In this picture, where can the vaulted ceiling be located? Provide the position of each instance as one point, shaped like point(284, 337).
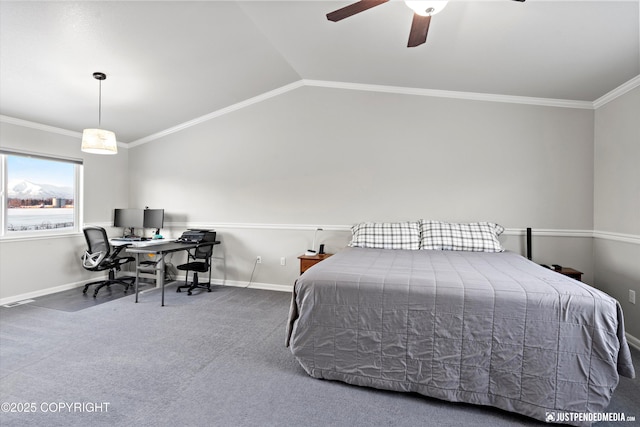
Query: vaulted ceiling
point(168, 63)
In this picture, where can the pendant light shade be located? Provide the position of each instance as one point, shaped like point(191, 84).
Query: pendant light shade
point(99, 141)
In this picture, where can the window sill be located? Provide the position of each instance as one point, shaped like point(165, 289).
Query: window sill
point(13, 237)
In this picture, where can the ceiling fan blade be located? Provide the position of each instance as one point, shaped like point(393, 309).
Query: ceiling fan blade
point(352, 9)
point(419, 30)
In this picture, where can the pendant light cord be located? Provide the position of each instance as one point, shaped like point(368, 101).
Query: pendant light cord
point(100, 77)
point(100, 105)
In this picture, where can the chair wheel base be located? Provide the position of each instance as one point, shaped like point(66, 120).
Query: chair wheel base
point(107, 284)
point(193, 286)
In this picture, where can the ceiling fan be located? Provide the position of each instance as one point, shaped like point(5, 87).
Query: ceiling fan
point(422, 13)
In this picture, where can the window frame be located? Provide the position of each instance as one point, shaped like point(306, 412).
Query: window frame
point(77, 203)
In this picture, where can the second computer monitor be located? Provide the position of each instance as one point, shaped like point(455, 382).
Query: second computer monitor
point(153, 218)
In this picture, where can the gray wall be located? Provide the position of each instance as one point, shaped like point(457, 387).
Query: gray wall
point(329, 156)
point(34, 266)
point(617, 203)
point(266, 175)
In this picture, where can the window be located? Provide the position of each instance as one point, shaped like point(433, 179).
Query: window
point(40, 194)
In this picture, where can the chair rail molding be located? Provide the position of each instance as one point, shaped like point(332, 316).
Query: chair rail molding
point(542, 232)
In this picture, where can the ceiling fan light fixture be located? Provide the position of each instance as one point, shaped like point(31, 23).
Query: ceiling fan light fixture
point(99, 141)
point(426, 8)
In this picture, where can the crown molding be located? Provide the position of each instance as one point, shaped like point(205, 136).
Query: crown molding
point(619, 91)
point(473, 96)
point(46, 128)
point(39, 126)
point(547, 102)
point(246, 103)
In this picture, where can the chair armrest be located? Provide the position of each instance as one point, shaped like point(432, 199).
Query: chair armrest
point(205, 244)
point(118, 249)
point(90, 261)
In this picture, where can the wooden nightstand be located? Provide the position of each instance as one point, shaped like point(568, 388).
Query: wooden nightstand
point(308, 261)
point(568, 271)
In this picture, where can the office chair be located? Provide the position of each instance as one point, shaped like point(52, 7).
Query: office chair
point(198, 261)
point(100, 257)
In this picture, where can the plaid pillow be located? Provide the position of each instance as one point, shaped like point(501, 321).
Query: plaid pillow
point(386, 235)
point(477, 236)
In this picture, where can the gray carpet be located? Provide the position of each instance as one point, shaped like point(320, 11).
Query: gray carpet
point(210, 359)
point(75, 300)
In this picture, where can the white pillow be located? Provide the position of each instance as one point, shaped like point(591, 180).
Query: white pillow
point(386, 235)
point(477, 236)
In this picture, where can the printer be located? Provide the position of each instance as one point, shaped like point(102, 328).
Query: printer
point(197, 236)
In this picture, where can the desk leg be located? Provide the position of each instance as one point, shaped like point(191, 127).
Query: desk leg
point(137, 274)
point(160, 275)
point(160, 270)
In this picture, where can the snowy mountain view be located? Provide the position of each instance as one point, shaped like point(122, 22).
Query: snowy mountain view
point(35, 206)
point(22, 189)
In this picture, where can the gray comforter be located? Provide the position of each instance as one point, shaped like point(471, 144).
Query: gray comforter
point(484, 328)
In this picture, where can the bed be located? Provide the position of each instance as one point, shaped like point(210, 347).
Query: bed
point(482, 327)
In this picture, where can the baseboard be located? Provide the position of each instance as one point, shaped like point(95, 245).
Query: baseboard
point(42, 292)
point(240, 284)
point(633, 341)
point(47, 291)
point(257, 285)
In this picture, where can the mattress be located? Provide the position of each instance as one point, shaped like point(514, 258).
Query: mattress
point(483, 328)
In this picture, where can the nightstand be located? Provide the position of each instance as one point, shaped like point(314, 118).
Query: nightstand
point(568, 271)
point(308, 261)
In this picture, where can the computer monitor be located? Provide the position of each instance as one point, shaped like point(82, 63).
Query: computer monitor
point(154, 218)
point(128, 219)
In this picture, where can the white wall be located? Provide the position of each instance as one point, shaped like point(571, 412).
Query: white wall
point(266, 175)
point(35, 266)
point(617, 202)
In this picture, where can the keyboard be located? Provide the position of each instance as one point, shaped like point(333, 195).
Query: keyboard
point(129, 239)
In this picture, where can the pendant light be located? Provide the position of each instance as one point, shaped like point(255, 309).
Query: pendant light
point(99, 141)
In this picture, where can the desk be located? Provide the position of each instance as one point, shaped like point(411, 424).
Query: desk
point(160, 250)
point(131, 244)
point(137, 244)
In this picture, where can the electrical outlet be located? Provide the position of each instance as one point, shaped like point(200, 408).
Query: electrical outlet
point(283, 261)
point(632, 296)
point(258, 259)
